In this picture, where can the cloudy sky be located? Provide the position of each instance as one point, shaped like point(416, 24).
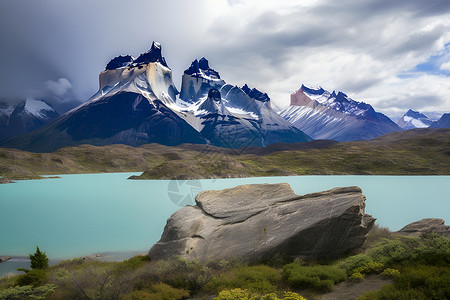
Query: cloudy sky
point(394, 55)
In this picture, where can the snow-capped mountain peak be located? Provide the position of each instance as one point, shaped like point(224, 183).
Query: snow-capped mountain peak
point(37, 108)
point(200, 68)
point(338, 101)
point(325, 115)
point(414, 119)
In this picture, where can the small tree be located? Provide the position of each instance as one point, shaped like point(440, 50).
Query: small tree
point(39, 260)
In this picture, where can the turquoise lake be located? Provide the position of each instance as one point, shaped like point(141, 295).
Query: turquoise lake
point(78, 215)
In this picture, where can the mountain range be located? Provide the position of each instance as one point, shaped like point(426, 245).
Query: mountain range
point(137, 103)
point(24, 117)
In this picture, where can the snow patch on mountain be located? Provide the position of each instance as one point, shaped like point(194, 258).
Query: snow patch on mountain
point(414, 119)
point(37, 107)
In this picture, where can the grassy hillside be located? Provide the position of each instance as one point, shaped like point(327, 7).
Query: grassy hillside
point(413, 152)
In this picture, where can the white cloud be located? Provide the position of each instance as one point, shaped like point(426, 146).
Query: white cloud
point(359, 48)
point(445, 66)
point(59, 87)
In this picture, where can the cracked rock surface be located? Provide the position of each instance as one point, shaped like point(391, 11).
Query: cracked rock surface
point(256, 221)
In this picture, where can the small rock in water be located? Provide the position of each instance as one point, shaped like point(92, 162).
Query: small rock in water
point(4, 258)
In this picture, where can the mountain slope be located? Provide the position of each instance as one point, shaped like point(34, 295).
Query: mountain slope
point(414, 119)
point(443, 122)
point(25, 117)
point(245, 117)
point(325, 115)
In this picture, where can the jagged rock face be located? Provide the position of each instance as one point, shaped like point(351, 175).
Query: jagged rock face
point(197, 80)
point(254, 222)
point(119, 62)
point(424, 226)
point(256, 94)
point(325, 115)
point(414, 119)
point(443, 122)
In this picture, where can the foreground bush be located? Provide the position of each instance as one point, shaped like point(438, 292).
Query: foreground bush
point(159, 291)
point(419, 282)
point(319, 277)
point(257, 279)
point(240, 294)
point(184, 273)
point(27, 292)
point(33, 277)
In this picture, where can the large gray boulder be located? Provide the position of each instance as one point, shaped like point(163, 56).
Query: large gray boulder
point(429, 225)
point(254, 222)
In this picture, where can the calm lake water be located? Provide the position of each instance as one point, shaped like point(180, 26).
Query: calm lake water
point(78, 215)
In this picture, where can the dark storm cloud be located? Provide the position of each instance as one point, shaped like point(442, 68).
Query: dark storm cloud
point(273, 45)
point(46, 40)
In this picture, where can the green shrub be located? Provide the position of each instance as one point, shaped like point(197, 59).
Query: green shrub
point(184, 273)
point(33, 277)
point(390, 273)
point(292, 296)
point(353, 262)
point(357, 277)
point(240, 294)
point(431, 249)
point(370, 268)
point(389, 252)
point(27, 292)
point(237, 294)
point(319, 277)
point(159, 291)
point(257, 279)
point(434, 249)
point(93, 279)
point(418, 282)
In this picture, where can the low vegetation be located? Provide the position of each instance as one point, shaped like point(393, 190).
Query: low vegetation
point(418, 268)
point(412, 152)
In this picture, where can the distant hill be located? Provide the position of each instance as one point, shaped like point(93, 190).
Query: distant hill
point(411, 152)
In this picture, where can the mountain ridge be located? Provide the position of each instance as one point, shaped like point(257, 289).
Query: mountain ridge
point(137, 104)
point(325, 115)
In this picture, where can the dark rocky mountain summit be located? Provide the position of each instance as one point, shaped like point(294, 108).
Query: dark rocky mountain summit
point(254, 222)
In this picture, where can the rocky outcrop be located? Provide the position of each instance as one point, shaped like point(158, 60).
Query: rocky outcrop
point(254, 222)
point(4, 258)
point(426, 226)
